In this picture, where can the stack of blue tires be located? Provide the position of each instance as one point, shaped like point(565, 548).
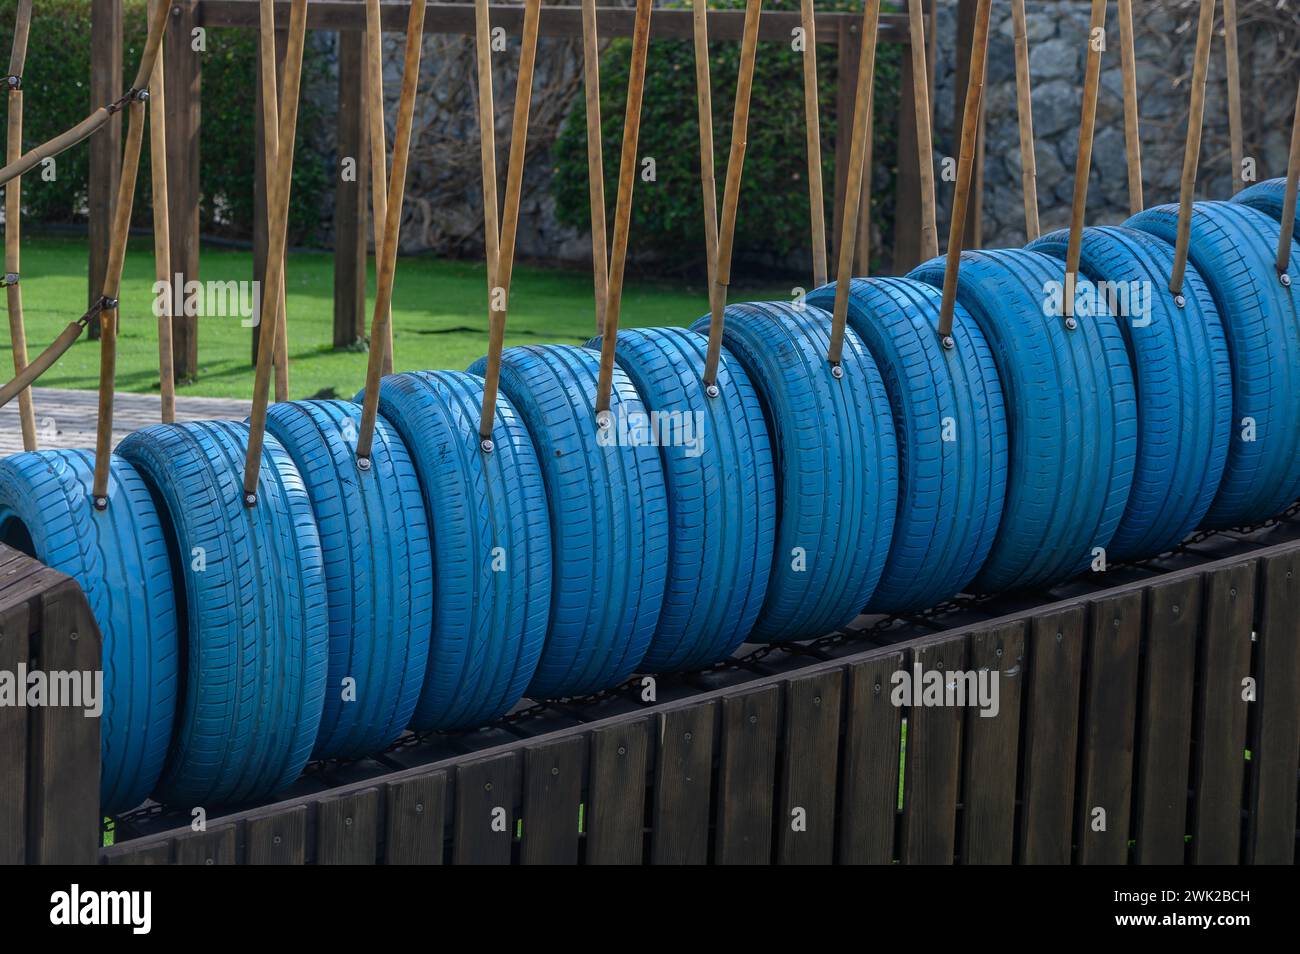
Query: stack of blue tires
point(438, 585)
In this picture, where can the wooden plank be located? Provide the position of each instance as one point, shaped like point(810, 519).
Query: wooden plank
point(552, 800)
point(1275, 745)
point(347, 829)
point(869, 781)
point(747, 777)
point(680, 832)
point(1165, 721)
point(216, 846)
point(350, 196)
point(278, 837)
point(105, 145)
point(14, 651)
point(63, 761)
point(615, 811)
point(1107, 733)
point(989, 747)
point(1051, 736)
point(1218, 755)
point(415, 820)
point(152, 853)
point(809, 768)
point(933, 762)
point(182, 76)
point(485, 811)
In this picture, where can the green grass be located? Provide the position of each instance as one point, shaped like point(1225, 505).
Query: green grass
point(439, 317)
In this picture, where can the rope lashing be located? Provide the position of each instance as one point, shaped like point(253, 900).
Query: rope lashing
point(1132, 137)
point(499, 299)
point(1192, 149)
point(812, 127)
point(731, 194)
point(924, 133)
point(13, 221)
point(1083, 163)
point(595, 161)
point(381, 322)
point(965, 168)
point(853, 189)
point(623, 206)
point(278, 192)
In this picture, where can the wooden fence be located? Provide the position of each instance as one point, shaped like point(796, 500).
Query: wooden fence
point(49, 756)
point(1154, 722)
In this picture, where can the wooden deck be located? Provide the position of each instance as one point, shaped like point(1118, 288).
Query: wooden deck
point(67, 418)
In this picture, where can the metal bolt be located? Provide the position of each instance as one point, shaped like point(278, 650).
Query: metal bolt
point(622, 750)
point(101, 503)
point(142, 95)
point(712, 390)
point(487, 786)
point(72, 635)
point(947, 342)
point(1176, 609)
point(1233, 592)
point(688, 737)
point(419, 808)
point(1285, 279)
point(275, 840)
point(250, 500)
point(1180, 301)
point(208, 861)
point(1059, 637)
point(876, 688)
point(753, 720)
point(603, 420)
point(1071, 324)
point(487, 445)
point(347, 822)
point(998, 651)
point(363, 464)
point(837, 371)
point(555, 770)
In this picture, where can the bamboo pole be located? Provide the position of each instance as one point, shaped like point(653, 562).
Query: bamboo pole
point(487, 144)
point(812, 125)
point(1083, 164)
point(374, 79)
point(271, 155)
point(924, 135)
point(1132, 136)
point(595, 160)
point(162, 237)
point(1025, 118)
point(1286, 228)
point(497, 316)
point(277, 204)
point(853, 186)
point(1192, 149)
point(862, 250)
point(13, 221)
point(1234, 91)
point(379, 326)
point(623, 207)
point(731, 194)
point(965, 163)
point(704, 109)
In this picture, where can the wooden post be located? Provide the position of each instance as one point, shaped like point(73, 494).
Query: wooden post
point(847, 54)
point(183, 70)
point(1234, 91)
point(973, 237)
point(350, 195)
point(260, 175)
point(106, 144)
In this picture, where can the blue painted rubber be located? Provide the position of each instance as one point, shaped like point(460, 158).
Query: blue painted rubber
point(119, 557)
point(721, 495)
point(952, 438)
point(1071, 418)
point(836, 461)
point(609, 520)
point(254, 620)
point(492, 572)
point(1233, 247)
point(1267, 197)
point(374, 537)
point(1180, 366)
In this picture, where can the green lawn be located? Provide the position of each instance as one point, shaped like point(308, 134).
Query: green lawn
point(439, 317)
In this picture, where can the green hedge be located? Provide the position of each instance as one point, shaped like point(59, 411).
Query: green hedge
point(56, 86)
point(668, 213)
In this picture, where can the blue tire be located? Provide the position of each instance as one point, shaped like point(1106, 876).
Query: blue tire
point(119, 556)
point(374, 537)
point(1267, 197)
point(1071, 418)
point(254, 617)
point(721, 495)
point(1233, 247)
point(609, 520)
point(492, 571)
point(836, 462)
point(1183, 378)
point(952, 438)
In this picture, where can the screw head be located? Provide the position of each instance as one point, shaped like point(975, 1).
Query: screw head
point(15, 82)
point(142, 95)
point(712, 390)
point(837, 371)
point(101, 503)
point(363, 463)
point(1180, 301)
point(250, 500)
point(603, 420)
point(487, 445)
point(1285, 279)
point(1071, 324)
point(947, 342)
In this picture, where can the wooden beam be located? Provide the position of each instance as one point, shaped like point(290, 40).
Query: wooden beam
point(106, 144)
point(458, 18)
point(182, 71)
point(965, 27)
point(350, 196)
